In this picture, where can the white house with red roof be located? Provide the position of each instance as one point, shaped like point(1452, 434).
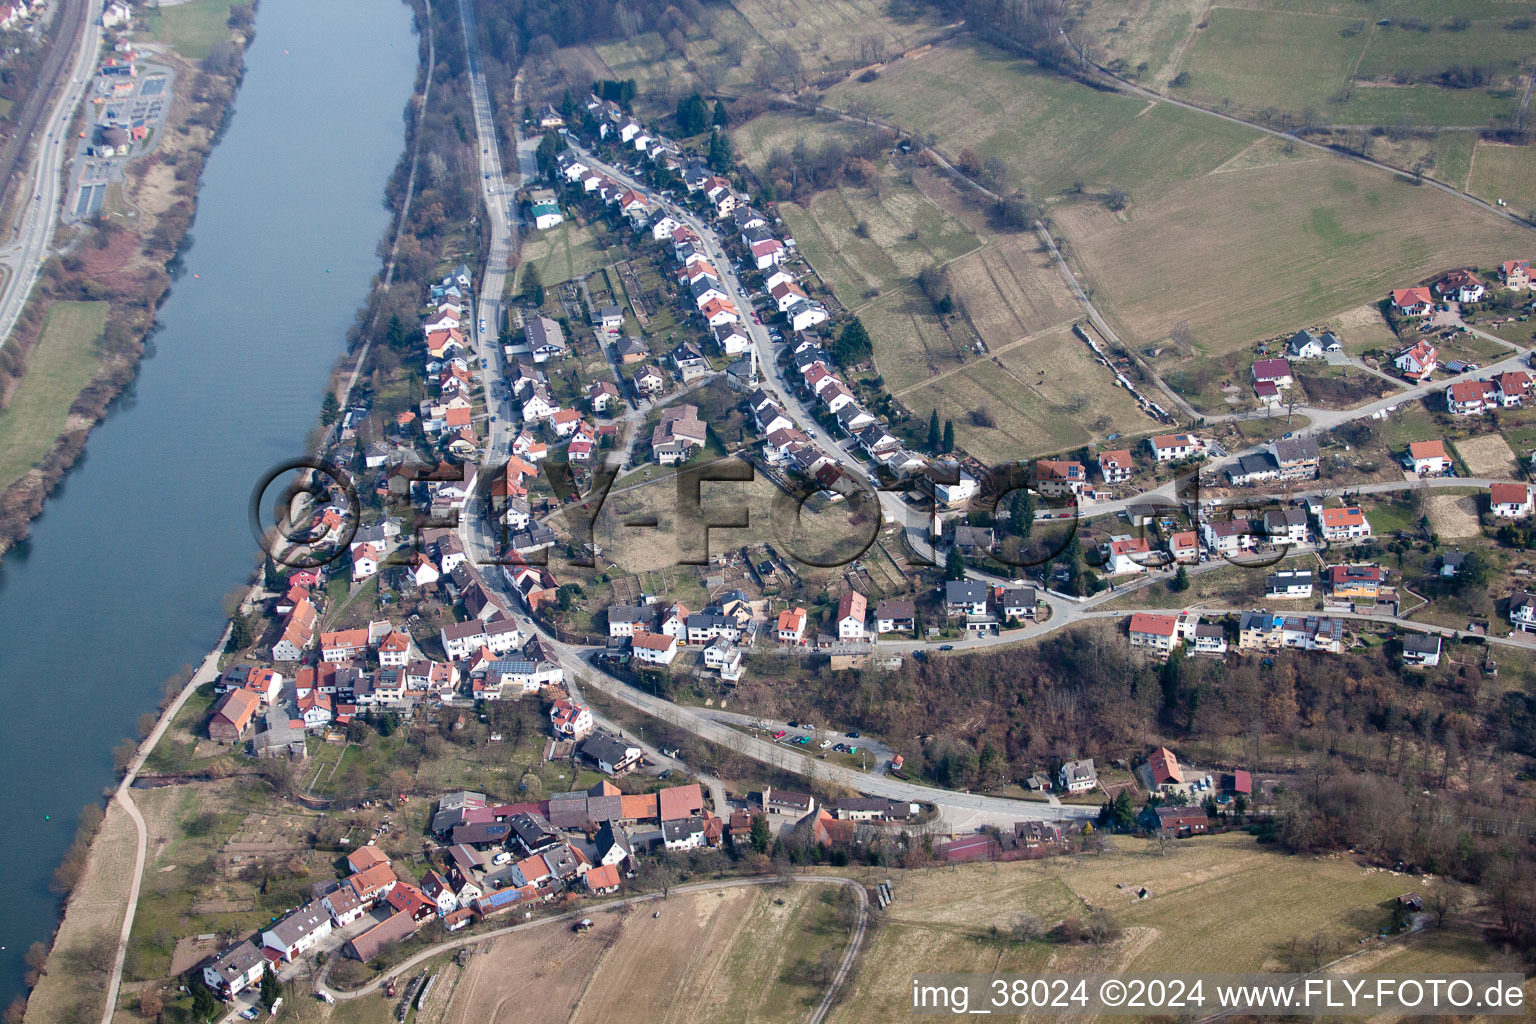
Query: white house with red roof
point(1413, 301)
point(1273, 371)
point(791, 626)
point(1509, 501)
point(1126, 555)
point(1515, 273)
point(1418, 361)
point(1155, 632)
point(1470, 397)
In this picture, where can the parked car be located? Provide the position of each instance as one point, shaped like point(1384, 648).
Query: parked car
point(780, 735)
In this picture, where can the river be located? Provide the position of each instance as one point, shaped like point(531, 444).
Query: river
point(121, 582)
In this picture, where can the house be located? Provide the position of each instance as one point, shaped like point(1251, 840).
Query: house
point(296, 934)
point(965, 597)
point(1428, 458)
point(1267, 393)
point(1306, 344)
point(1421, 650)
point(851, 609)
point(678, 434)
point(1156, 632)
point(803, 315)
point(779, 801)
point(1342, 524)
point(873, 809)
point(791, 626)
point(1228, 537)
point(1509, 501)
point(1055, 477)
point(1460, 286)
point(1206, 638)
point(648, 381)
point(1018, 603)
point(1522, 611)
point(601, 394)
point(1513, 388)
point(654, 648)
point(1078, 776)
point(602, 880)
point(545, 339)
point(1288, 583)
point(1286, 525)
point(732, 339)
point(973, 540)
point(1126, 555)
point(233, 716)
point(1180, 821)
point(1515, 273)
point(344, 905)
point(1417, 361)
point(1273, 371)
point(546, 214)
point(952, 487)
point(1116, 466)
point(396, 928)
point(1413, 301)
point(1252, 469)
point(1167, 447)
point(1470, 397)
point(1260, 630)
point(767, 253)
point(1298, 458)
point(683, 834)
point(1164, 768)
point(1354, 581)
point(611, 755)
point(627, 620)
point(1184, 546)
point(298, 633)
point(631, 350)
point(895, 617)
point(1451, 562)
point(235, 969)
point(462, 639)
point(570, 720)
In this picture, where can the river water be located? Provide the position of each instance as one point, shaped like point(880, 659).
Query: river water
point(121, 582)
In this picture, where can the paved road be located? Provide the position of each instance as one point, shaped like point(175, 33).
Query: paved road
point(28, 247)
point(403, 970)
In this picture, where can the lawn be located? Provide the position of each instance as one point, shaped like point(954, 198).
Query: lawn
point(1505, 172)
point(566, 251)
point(1392, 105)
point(192, 28)
point(61, 365)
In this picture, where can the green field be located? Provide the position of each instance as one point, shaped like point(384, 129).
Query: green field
point(1507, 173)
point(62, 364)
point(565, 251)
point(192, 29)
point(1419, 105)
point(1051, 133)
point(865, 242)
point(1258, 59)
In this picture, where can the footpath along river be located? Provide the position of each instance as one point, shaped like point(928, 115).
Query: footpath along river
point(121, 581)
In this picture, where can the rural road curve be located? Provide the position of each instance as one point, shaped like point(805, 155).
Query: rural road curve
point(859, 930)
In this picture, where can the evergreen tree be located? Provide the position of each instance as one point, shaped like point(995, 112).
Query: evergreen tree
point(949, 436)
point(330, 409)
point(692, 115)
point(761, 835)
point(721, 159)
point(269, 576)
point(1180, 581)
point(721, 118)
point(271, 989)
point(933, 431)
point(954, 565)
point(1021, 512)
point(533, 285)
point(852, 344)
point(240, 634)
point(205, 1005)
point(394, 334)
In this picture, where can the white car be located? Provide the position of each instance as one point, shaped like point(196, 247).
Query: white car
point(825, 744)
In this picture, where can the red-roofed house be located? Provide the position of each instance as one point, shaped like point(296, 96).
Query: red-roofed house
point(791, 626)
point(1470, 397)
point(1158, 632)
point(1515, 273)
point(1509, 501)
point(1165, 768)
point(1273, 371)
point(1417, 362)
point(1413, 301)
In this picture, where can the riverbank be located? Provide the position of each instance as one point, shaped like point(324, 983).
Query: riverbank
point(92, 944)
point(125, 260)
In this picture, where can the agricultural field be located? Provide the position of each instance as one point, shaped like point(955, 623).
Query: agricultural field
point(836, 35)
point(864, 242)
point(1143, 39)
point(1299, 242)
point(959, 919)
point(756, 139)
point(724, 955)
point(1251, 59)
point(62, 363)
point(1052, 134)
point(1504, 172)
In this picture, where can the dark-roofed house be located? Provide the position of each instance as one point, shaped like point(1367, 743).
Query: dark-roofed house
point(568, 810)
point(1181, 821)
point(480, 833)
point(866, 808)
point(683, 833)
point(782, 801)
point(234, 970)
point(533, 833)
point(611, 755)
point(1421, 650)
point(895, 616)
point(297, 933)
point(965, 597)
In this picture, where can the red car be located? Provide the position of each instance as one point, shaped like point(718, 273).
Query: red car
point(780, 735)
